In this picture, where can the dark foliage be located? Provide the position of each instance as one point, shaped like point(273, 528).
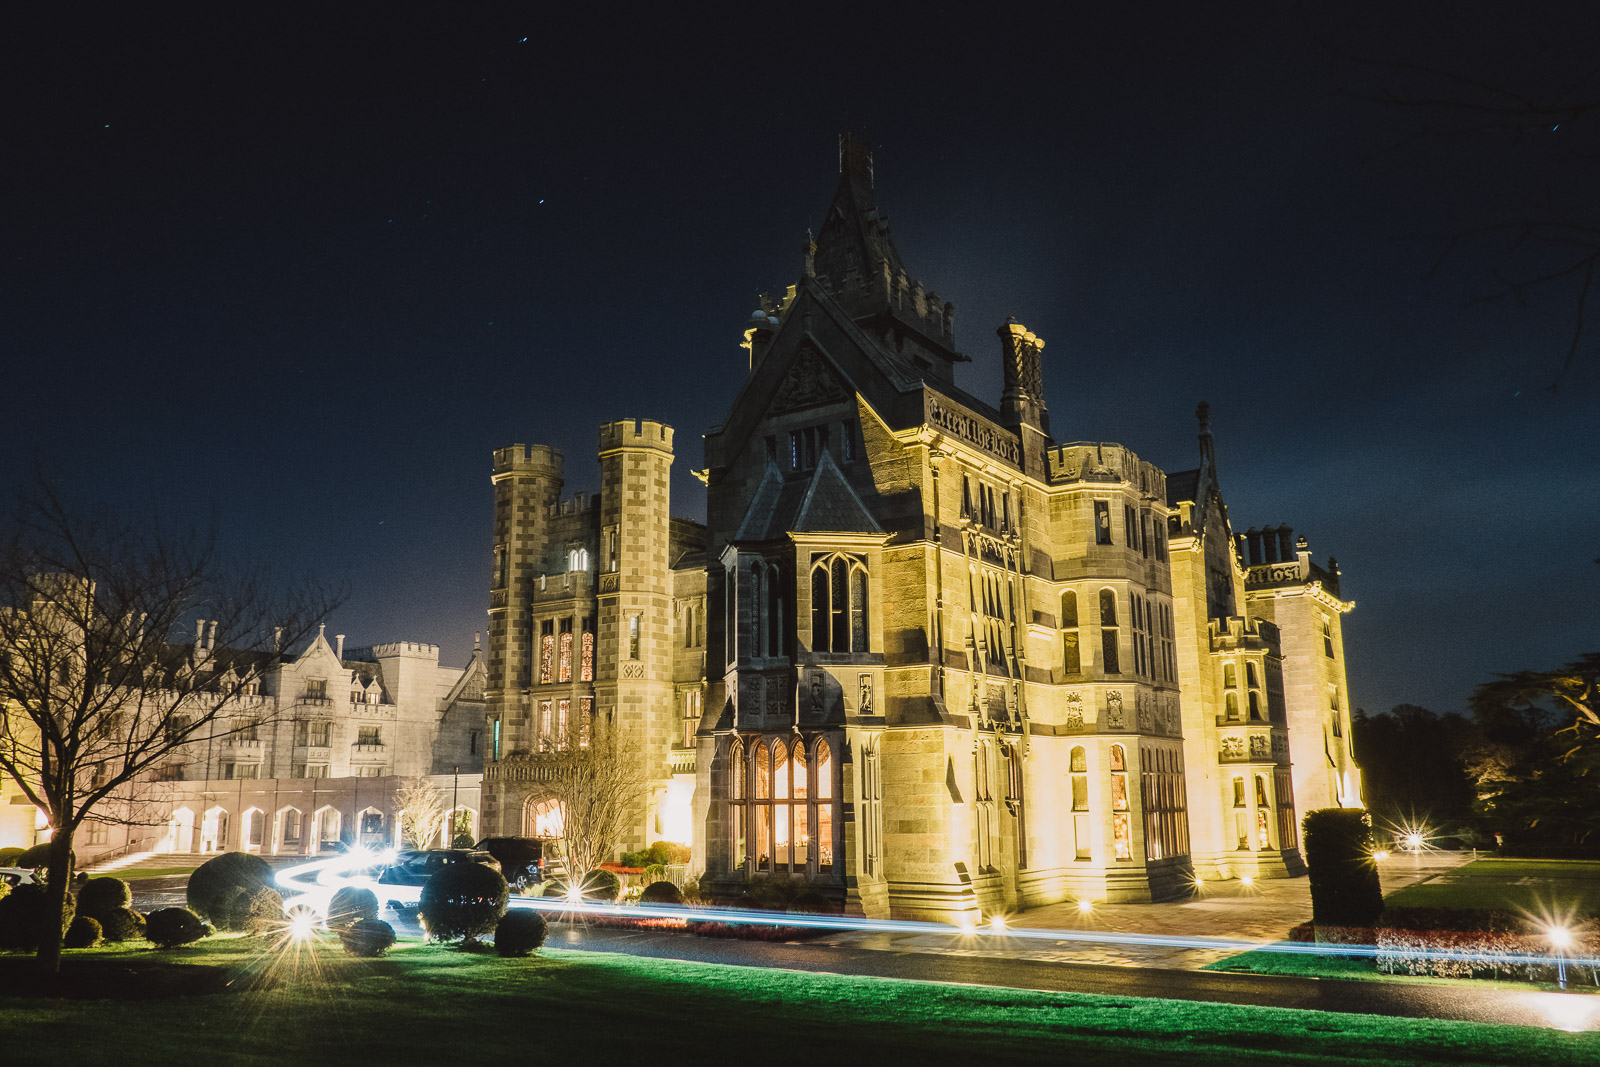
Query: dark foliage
point(350, 905)
point(659, 854)
point(1459, 920)
point(9, 856)
point(83, 933)
point(216, 886)
point(814, 903)
point(367, 937)
point(171, 927)
point(1413, 766)
point(121, 924)
point(463, 901)
point(1343, 876)
point(22, 915)
point(554, 889)
point(601, 885)
point(661, 893)
point(37, 858)
point(101, 896)
point(519, 932)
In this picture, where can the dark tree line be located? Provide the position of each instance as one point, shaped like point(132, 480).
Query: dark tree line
point(1523, 769)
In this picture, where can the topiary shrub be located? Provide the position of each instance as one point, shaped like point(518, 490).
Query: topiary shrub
point(216, 885)
point(1343, 876)
point(462, 901)
point(121, 924)
point(601, 885)
point(259, 911)
point(101, 896)
point(554, 889)
point(83, 933)
point(9, 856)
point(171, 927)
point(519, 932)
point(22, 914)
point(351, 904)
point(367, 937)
point(37, 858)
point(661, 893)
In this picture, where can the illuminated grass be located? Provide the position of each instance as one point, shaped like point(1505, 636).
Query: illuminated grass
point(423, 1003)
point(1510, 885)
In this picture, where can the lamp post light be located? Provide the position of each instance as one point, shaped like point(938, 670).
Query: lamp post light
point(1560, 940)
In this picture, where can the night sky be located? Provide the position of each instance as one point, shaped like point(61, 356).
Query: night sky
point(304, 268)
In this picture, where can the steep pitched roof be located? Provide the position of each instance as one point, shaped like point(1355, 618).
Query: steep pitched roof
point(830, 505)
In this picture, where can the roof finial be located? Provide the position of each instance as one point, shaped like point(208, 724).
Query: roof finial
point(810, 249)
point(477, 645)
point(1203, 413)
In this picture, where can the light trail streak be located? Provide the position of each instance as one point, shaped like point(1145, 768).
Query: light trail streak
point(333, 874)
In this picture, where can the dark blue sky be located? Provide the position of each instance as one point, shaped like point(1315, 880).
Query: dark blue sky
point(309, 267)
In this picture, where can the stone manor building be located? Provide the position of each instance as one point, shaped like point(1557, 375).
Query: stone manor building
point(923, 655)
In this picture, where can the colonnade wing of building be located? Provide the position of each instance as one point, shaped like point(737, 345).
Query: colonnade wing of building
point(922, 658)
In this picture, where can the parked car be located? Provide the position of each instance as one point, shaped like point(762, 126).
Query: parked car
point(15, 876)
point(415, 868)
point(521, 859)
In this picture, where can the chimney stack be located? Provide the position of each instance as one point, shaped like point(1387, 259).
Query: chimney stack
point(338, 648)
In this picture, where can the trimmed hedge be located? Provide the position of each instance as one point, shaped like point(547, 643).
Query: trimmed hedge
point(215, 888)
point(171, 927)
point(463, 901)
point(83, 933)
point(122, 924)
point(22, 914)
point(661, 893)
point(601, 885)
point(258, 911)
point(367, 937)
point(1343, 876)
point(351, 904)
point(101, 896)
point(520, 932)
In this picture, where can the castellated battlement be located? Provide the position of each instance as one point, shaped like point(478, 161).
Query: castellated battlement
point(1104, 461)
point(406, 648)
point(635, 433)
point(528, 459)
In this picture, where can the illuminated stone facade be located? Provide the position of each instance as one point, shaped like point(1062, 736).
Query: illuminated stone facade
point(597, 606)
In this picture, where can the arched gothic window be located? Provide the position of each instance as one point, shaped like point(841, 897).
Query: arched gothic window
point(774, 623)
point(839, 619)
point(1110, 661)
point(1072, 660)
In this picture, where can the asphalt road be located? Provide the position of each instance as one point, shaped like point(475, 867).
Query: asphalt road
point(1488, 1003)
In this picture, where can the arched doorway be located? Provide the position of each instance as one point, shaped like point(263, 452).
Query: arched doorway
point(180, 830)
point(325, 826)
point(214, 830)
point(541, 817)
point(255, 830)
point(463, 824)
point(291, 835)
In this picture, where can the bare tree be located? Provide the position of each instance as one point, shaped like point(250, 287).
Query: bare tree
point(598, 782)
point(422, 814)
point(96, 690)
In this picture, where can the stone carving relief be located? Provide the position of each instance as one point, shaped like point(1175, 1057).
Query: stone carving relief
point(1280, 747)
point(809, 383)
point(633, 670)
point(1258, 746)
point(1233, 748)
point(1114, 719)
point(1142, 702)
point(864, 699)
point(1074, 710)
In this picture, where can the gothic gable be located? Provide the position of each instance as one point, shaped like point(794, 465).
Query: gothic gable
point(809, 383)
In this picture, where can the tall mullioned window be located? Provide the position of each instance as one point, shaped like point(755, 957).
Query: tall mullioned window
point(633, 637)
point(1111, 662)
point(1078, 767)
point(1121, 831)
point(547, 650)
point(1070, 653)
point(586, 670)
point(564, 664)
point(1161, 792)
point(839, 617)
point(1102, 522)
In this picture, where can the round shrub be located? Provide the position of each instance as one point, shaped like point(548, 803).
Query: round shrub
point(661, 893)
point(215, 886)
point(121, 924)
point(22, 914)
point(367, 937)
point(38, 857)
point(519, 932)
point(9, 856)
point(351, 904)
point(258, 911)
point(171, 927)
point(83, 933)
point(462, 901)
point(554, 889)
point(601, 885)
point(101, 896)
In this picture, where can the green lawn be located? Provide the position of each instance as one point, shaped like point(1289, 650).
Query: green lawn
point(424, 1004)
point(1550, 888)
point(1536, 887)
